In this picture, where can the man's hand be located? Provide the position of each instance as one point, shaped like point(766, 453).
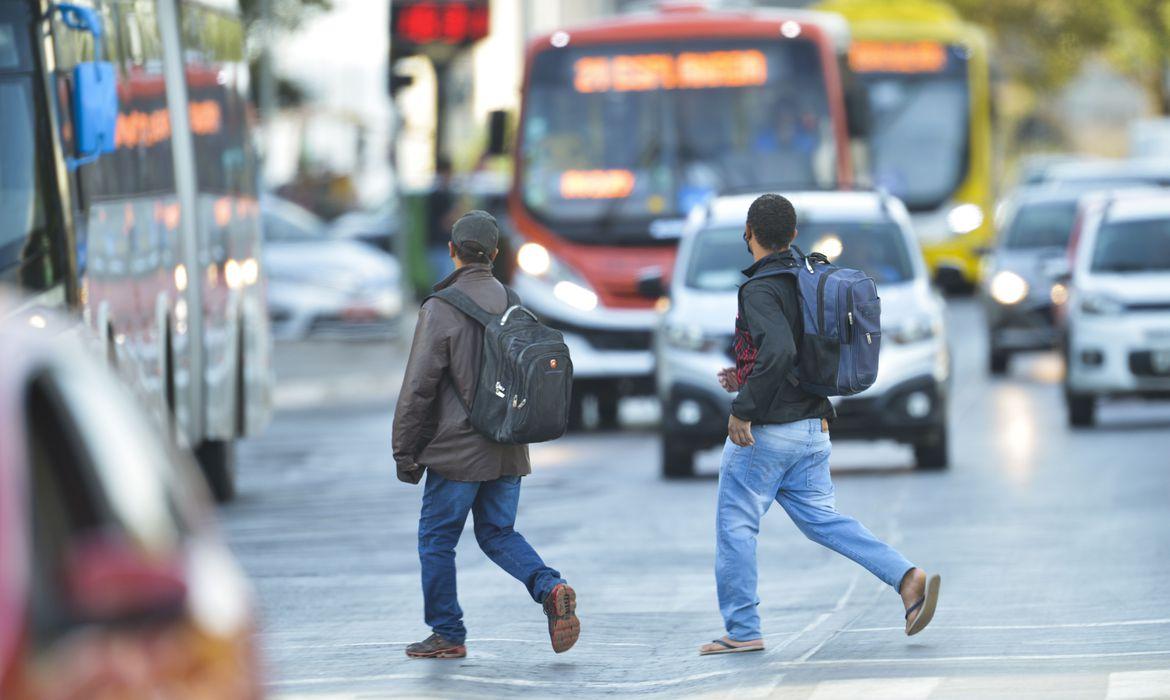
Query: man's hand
point(740, 432)
point(729, 380)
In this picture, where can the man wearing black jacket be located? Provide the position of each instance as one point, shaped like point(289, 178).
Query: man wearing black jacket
point(778, 447)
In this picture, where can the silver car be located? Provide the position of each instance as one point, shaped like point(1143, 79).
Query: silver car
point(866, 230)
point(322, 286)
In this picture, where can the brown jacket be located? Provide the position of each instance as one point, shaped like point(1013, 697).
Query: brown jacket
point(431, 427)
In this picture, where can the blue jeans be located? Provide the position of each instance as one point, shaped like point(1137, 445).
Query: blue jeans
point(445, 506)
point(789, 464)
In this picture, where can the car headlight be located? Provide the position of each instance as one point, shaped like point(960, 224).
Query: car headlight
point(1008, 288)
point(689, 336)
point(916, 330)
point(536, 261)
point(965, 218)
point(1100, 305)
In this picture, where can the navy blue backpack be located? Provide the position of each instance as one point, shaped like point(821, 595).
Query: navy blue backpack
point(838, 354)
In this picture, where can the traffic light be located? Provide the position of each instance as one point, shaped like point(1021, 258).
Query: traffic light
point(454, 23)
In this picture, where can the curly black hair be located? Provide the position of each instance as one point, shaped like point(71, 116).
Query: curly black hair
point(772, 219)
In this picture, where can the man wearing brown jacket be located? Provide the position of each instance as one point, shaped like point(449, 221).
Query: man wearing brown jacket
point(465, 471)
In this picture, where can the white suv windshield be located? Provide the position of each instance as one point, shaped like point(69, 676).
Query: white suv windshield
point(1133, 246)
point(719, 255)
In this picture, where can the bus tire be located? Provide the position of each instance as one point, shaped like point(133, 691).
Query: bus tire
point(217, 459)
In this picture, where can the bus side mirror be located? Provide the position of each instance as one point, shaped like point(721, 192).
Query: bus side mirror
point(857, 113)
point(95, 109)
point(95, 90)
point(497, 133)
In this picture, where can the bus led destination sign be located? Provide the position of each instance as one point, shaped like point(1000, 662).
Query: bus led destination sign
point(897, 57)
point(662, 71)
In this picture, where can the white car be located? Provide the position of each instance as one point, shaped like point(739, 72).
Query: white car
point(321, 286)
point(865, 230)
point(1118, 315)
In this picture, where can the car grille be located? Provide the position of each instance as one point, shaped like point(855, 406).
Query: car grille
point(602, 339)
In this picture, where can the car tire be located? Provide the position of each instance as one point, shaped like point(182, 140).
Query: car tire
point(608, 399)
point(217, 458)
point(933, 453)
point(997, 362)
point(1082, 410)
point(678, 460)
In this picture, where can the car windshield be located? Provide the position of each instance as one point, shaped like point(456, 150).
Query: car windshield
point(619, 135)
point(285, 222)
point(1041, 225)
point(920, 114)
point(21, 205)
point(1133, 246)
point(718, 255)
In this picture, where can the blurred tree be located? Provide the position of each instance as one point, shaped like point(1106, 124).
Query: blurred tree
point(1042, 43)
point(286, 14)
point(1141, 46)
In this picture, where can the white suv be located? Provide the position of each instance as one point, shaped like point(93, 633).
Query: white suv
point(1118, 315)
point(864, 230)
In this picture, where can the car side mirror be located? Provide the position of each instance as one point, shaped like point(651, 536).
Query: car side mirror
point(652, 284)
point(109, 580)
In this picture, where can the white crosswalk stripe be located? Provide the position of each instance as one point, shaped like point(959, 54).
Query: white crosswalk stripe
point(1138, 685)
point(876, 689)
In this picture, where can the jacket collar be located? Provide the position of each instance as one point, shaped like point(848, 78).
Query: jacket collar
point(470, 271)
point(784, 258)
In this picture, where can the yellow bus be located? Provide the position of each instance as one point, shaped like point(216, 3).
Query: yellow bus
point(927, 76)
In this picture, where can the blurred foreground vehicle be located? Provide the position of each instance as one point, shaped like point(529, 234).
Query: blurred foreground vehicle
point(927, 76)
point(116, 585)
point(321, 286)
point(1118, 332)
point(862, 230)
point(127, 194)
point(1024, 272)
point(630, 122)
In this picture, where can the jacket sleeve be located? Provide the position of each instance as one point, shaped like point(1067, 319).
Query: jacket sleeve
point(429, 358)
point(773, 339)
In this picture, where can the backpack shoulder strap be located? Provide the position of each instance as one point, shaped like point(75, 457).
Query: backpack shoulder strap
point(461, 301)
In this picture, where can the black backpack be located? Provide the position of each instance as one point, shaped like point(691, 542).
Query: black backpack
point(526, 378)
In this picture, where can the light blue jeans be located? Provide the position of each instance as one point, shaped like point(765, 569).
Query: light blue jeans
point(789, 464)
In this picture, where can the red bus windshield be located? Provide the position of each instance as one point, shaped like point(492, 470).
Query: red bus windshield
point(618, 135)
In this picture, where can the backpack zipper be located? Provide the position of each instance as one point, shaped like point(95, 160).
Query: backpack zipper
point(849, 315)
point(821, 298)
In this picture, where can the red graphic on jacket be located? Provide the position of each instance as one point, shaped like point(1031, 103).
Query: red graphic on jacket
point(745, 352)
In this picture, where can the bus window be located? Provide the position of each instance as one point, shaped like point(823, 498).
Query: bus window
point(622, 134)
point(919, 104)
point(26, 256)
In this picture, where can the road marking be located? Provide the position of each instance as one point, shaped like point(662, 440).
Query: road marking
point(360, 645)
point(1138, 685)
point(960, 659)
point(876, 689)
point(1066, 625)
point(517, 682)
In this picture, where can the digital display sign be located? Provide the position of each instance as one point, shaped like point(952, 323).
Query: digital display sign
point(897, 57)
point(690, 70)
point(421, 23)
point(596, 184)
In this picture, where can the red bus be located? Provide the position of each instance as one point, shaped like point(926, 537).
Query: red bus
point(629, 123)
point(155, 242)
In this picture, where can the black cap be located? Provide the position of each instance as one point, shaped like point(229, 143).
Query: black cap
point(479, 227)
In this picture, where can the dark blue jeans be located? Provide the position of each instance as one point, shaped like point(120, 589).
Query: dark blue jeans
point(444, 511)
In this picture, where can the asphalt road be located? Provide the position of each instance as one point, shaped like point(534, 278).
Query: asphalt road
point(1053, 545)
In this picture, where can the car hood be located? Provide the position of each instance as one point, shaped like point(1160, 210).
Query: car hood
point(1129, 288)
point(714, 312)
point(340, 259)
point(1033, 264)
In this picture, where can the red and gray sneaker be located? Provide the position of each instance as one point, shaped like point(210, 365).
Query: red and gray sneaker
point(563, 626)
point(435, 647)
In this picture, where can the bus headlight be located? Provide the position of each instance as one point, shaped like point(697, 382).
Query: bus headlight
point(1008, 288)
point(536, 261)
point(965, 218)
